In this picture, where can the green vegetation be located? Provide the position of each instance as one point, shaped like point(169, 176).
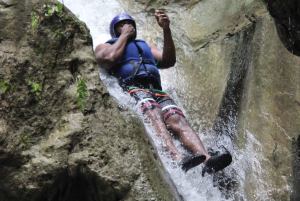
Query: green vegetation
point(50, 15)
point(48, 12)
point(34, 20)
point(262, 1)
point(59, 32)
point(35, 88)
point(5, 86)
point(81, 92)
point(26, 140)
point(81, 26)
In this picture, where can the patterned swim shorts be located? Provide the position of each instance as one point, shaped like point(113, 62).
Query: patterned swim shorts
point(150, 99)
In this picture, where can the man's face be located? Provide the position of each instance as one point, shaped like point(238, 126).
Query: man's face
point(119, 26)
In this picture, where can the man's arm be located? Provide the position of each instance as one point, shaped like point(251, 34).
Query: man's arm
point(167, 57)
point(108, 55)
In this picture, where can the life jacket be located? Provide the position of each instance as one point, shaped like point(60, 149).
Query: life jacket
point(137, 64)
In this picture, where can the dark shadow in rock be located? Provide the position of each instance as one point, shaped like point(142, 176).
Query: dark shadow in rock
point(229, 110)
point(296, 169)
point(226, 121)
point(83, 184)
point(286, 15)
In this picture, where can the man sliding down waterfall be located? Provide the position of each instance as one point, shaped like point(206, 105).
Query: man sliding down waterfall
point(135, 64)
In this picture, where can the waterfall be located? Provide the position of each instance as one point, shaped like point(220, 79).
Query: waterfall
point(97, 15)
point(230, 185)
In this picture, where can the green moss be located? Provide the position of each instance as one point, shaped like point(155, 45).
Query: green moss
point(35, 88)
point(26, 140)
point(5, 86)
point(34, 20)
point(81, 92)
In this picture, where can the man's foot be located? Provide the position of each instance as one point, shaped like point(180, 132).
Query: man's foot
point(189, 162)
point(217, 163)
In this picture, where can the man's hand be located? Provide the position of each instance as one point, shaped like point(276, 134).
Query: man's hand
point(167, 57)
point(126, 29)
point(162, 19)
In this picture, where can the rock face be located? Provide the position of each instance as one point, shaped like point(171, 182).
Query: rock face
point(286, 15)
point(49, 148)
point(237, 76)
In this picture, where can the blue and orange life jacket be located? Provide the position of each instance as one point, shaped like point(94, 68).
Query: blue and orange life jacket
point(137, 64)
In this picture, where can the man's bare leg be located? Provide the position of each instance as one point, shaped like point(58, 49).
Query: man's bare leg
point(156, 117)
point(191, 141)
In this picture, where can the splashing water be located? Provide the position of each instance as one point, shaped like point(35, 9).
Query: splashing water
point(97, 15)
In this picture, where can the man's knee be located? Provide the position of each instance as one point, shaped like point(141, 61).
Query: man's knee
point(176, 122)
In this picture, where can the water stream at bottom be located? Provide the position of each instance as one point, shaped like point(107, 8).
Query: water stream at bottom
point(232, 183)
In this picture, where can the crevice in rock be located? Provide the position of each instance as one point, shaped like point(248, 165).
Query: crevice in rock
point(10, 161)
point(287, 20)
point(82, 184)
point(226, 121)
point(296, 169)
point(233, 94)
point(74, 67)
point(10, 164)
point(7, 5)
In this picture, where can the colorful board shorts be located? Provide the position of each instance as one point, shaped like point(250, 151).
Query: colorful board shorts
point(153, 98)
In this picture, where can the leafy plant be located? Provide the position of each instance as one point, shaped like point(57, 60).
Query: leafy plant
point(5, 86)
point(81, 92)
point(35, 88)
point(50, 10)
point(59, 32)
point(34, 20)
point(26, 139)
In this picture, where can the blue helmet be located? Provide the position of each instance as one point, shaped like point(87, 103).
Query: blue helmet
point(117, 19)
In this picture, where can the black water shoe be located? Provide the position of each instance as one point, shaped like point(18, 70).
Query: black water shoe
point(217, 163)
point(189, 162)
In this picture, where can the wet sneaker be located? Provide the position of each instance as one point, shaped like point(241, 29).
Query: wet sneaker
point(217, 163)
point(189, 162)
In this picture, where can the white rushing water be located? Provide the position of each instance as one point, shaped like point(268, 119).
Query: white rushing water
point(97, 15)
